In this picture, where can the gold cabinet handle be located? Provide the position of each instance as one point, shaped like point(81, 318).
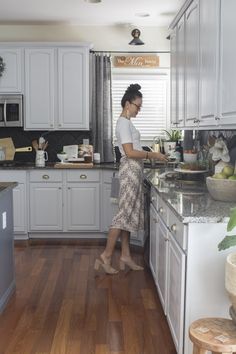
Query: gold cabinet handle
point(45, 176)
point(153, 199)
point(161, 210)
point(173, 227)
point(83, 177)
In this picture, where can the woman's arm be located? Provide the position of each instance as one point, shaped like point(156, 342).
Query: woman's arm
point(138, 154)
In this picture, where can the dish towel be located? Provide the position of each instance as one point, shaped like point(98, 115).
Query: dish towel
point(115, 189)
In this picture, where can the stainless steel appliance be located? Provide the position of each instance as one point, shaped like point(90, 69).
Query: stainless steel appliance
point(11, 110)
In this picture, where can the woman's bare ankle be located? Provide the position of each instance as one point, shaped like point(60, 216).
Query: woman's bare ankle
point(106, 259)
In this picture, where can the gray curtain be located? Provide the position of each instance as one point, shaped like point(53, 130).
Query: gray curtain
point(101, 106)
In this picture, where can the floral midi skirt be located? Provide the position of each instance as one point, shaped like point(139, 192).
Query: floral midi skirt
point(130, 215)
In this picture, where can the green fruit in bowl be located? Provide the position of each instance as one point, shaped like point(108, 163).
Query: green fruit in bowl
point(228, 171)
point(232, 178)
point(219, 176)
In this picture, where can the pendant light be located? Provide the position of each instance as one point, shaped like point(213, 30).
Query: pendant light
point(136, 40)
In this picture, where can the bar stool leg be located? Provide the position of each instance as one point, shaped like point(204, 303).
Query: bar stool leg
point(197, 350)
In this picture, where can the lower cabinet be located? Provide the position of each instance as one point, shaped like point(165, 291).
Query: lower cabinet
point(45, 212)
point(82, 201)
point(20, 205)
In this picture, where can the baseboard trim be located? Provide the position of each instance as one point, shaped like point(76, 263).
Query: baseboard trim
point(6, 296)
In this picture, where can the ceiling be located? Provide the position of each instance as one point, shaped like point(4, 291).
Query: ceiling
point(80, 12)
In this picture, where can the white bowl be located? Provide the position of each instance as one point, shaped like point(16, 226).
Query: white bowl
point(222, 189)
point(188, 157)
point(62, 157)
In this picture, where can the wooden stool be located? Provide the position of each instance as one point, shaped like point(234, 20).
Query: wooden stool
point(218, 335)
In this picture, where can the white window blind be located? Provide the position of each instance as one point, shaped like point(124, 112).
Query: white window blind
point(153, 117)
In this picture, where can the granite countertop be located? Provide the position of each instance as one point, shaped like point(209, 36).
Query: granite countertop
point(6, 186)
point(191, 203)
point(50, 165)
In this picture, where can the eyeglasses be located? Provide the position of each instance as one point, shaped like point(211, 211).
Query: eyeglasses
point(138, 107)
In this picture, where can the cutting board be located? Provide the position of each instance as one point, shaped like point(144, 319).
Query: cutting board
point(8, 144)
point(74, 165)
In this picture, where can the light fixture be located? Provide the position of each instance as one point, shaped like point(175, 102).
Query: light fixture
point(135, 34)
point(93, 1)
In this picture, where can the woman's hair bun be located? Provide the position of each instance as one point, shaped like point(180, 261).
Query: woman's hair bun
point(133, 88)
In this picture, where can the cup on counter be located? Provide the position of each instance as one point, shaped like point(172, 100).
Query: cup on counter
point(96, 157)
point(88, 158)
point(41, 158)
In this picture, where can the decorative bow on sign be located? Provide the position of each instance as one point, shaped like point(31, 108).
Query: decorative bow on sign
point(220, 151)
point(2, 66)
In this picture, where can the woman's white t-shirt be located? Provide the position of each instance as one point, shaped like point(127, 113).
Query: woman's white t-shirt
point(127, 133)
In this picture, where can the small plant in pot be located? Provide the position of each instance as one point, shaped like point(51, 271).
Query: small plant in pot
point(230, 266)
point(172, 137)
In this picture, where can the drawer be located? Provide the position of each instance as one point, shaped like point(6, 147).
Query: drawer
point(83, 176)
point(163, 210)
point(107, 176)
point(45, 176)
point(177, 230)
point(10, 176)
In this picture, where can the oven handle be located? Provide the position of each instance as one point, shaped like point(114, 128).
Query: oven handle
point(5, 112)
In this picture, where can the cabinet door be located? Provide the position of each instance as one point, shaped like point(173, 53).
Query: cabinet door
point(227, 92)
point(162, 251)
point(73, 79)
point(153, 242)
point(11, 79)
point(83, 212)
point(209, 38)
point(192, 63)
point(181, 71)
point(39, 88)
point(176, 293)
point(173, 78)
point(46, 207)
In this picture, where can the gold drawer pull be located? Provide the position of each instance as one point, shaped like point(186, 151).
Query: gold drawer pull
point(153, 198)
point(173, 227)
point(161, 210)
point(83, 177)
point(45, 177)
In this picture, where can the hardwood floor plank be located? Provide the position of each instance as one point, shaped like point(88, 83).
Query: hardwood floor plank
point(61, 306)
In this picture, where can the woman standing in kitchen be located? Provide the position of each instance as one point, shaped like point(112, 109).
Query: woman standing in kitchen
point(130, 215)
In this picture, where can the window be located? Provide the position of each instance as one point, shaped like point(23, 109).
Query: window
point(153, 118)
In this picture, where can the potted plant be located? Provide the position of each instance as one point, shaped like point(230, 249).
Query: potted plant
point(172, 136)
point(230, 266)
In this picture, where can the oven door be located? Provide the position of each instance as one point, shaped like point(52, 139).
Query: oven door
point(11, 111)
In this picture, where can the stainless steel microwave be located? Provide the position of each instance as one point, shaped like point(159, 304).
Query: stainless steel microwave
point(11, 110)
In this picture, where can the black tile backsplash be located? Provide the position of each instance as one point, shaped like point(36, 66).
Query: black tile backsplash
point(56, 140)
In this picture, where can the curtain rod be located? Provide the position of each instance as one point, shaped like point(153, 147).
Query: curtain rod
point(124, 51)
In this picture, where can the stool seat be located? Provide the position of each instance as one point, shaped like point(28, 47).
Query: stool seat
point(217, 335)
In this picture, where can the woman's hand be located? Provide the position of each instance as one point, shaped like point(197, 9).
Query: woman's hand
point(160, 157)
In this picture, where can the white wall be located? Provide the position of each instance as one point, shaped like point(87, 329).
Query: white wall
point(103, 37)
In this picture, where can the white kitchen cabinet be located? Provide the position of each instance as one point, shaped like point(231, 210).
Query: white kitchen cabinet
point(11, 79)
point(154, 219)
point(20, 205)
point(73, 88)
point(82, 200)
point(176, 291)
point(39, 88)
point(180, 85)
point(227, 92)
point(191, 63)
point(209, 46)
point(45, 211)
point(57, 88)
point(173, 78)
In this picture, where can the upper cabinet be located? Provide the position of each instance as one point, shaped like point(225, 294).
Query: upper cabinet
point(205, 66)
point(11, 79)
point(57, 88)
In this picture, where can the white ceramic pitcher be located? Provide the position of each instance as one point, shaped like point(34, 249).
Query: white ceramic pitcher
point(41, 158)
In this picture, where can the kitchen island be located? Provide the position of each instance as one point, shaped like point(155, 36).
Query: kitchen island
point(7, 279)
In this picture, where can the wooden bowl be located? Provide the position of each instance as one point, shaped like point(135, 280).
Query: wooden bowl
point(222, 189)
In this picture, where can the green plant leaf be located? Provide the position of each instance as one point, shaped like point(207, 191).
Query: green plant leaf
point(232, 220)
point(227, 242)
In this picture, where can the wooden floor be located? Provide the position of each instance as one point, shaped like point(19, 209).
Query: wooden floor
point(61, 306)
